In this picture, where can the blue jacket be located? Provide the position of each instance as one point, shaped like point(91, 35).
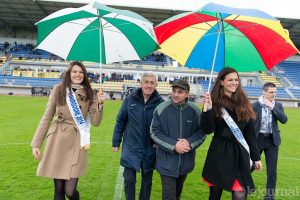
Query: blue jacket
point(277, 115)
point(132, 125)
point(171, 122)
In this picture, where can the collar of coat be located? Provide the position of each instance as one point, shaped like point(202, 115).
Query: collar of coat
point(180, 106)
point(138, 94)
point(80, 92)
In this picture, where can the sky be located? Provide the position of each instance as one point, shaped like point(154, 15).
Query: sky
point(276, 8)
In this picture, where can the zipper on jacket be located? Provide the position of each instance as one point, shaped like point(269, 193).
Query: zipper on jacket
point(180, 135)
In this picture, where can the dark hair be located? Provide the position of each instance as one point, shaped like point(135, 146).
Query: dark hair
point(66, 83)
point(268, 85)
point(239, 103)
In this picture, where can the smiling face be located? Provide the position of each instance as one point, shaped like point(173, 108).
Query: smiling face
point(76, 74)
point(230, 83)
point(148, 85)
point(179, 95)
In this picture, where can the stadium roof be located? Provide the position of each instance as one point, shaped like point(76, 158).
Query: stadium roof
point(25, 13)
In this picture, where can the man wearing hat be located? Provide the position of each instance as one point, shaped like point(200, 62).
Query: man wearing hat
point(176, 130)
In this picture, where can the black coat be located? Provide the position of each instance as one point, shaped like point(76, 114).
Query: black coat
point(132, 125)
point(226, 159)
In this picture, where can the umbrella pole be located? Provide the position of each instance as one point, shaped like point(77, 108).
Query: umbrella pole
point(214, 58)
point(100, 77)
point(213, 65)
point(100, 49)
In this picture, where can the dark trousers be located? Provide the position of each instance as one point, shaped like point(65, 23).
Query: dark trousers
point(266, 145)
point(215, 193)
point(129, 184)
point(172, 187)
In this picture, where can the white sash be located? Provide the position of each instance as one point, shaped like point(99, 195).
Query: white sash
point(82, 125)
point(236, 132)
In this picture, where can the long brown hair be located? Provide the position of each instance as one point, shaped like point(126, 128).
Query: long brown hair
point(67, 83)
point(239, 103)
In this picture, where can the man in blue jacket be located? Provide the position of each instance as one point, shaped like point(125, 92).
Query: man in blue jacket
point(268, 113)
point(132, 125)
point(176, 130)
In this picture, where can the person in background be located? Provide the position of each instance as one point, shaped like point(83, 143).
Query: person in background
point(176, 130)
point(111, 94)
point(229, 114)
point(132, 126)
point(268, 113)
point(71, 109)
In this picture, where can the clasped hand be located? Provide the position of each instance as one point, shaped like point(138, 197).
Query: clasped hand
point(182, 146)
point(268, 103)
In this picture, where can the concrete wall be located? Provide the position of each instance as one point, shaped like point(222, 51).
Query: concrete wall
point(15, 90)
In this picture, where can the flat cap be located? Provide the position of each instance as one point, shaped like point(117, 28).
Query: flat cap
point(182, 84)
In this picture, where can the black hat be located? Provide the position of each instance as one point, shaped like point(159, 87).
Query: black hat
point(182, 84)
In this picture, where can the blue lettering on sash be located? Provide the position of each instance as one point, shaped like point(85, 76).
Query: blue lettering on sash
point(80, 119)
point(76, 110)
point(237, 133)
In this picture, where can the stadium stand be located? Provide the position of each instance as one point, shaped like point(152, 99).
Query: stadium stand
point(290, 70)
point(269, 78)
point(296, 92)
point(26, 69)
point(2, 60)
point(29, 81)
point(119, 86)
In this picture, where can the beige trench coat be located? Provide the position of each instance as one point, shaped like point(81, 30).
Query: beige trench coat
point(62, 157)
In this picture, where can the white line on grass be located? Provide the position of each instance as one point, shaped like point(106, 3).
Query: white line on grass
point(289, 158)
point(119, 184)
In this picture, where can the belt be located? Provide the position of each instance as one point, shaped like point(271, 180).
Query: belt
point(267, 135)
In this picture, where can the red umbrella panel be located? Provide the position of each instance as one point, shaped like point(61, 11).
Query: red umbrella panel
point(217, 36)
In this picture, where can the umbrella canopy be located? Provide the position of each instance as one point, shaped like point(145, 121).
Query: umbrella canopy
point(218, 36)
point(96, 33)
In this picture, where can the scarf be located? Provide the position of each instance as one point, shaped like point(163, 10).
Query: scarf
point(266, 116)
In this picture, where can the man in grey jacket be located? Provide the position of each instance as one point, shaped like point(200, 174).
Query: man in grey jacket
point(268, 113)
point(176, 130)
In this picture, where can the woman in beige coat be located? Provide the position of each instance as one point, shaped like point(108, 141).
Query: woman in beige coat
point(64, 158)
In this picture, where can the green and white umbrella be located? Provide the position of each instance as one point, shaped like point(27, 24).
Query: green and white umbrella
point(96, 33)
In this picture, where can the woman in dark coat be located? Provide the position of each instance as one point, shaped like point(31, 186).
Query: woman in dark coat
point(227, 165)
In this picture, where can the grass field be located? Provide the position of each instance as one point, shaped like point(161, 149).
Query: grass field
point(20, 117)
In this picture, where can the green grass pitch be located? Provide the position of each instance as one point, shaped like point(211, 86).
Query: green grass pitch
point(18, 181)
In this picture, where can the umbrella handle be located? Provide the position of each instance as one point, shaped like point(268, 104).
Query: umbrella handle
point(100, 91)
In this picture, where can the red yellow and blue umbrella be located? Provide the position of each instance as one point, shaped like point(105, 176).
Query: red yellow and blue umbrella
point(217, 36)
